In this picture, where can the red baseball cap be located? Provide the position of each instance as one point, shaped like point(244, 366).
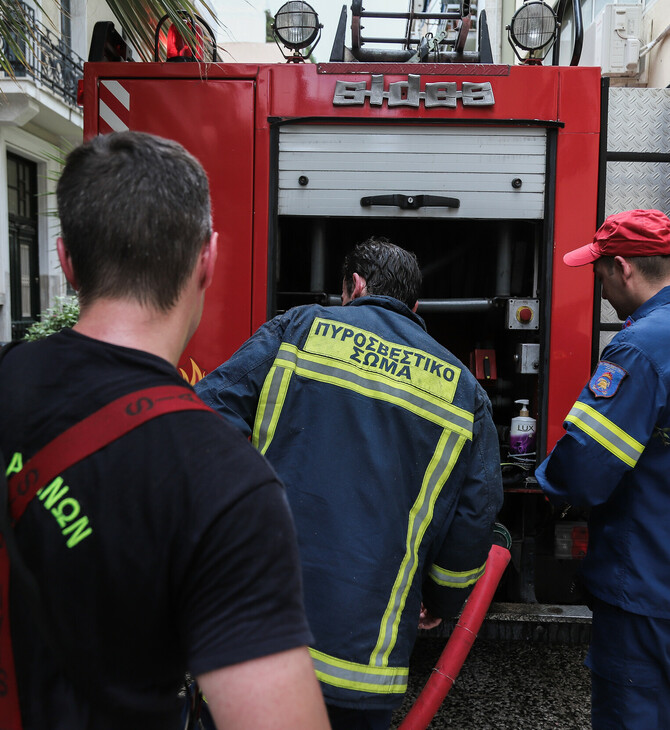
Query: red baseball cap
point(632, 233)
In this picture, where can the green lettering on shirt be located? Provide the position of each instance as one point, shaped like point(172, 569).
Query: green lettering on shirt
point(80, 530)
point(15, 465)
point(64, 509)
point(50, 494)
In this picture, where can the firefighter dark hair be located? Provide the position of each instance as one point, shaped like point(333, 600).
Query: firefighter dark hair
point(652, 268)
point(134, 212)
point(387, 269)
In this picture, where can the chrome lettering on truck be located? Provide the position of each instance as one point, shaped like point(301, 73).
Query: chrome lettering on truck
point(408, 93)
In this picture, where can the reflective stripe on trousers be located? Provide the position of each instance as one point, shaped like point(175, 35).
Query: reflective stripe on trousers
point(361, 677)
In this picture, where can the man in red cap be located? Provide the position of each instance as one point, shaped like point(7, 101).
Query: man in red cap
point(615, 460)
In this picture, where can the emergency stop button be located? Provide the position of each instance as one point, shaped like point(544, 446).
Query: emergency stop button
point(523, 314)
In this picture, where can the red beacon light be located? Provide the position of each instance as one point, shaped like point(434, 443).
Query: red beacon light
point(178, 48)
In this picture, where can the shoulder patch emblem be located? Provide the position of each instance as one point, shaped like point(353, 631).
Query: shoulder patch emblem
point(606, 379)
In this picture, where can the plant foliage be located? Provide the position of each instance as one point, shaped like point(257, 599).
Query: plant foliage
point(64, 313)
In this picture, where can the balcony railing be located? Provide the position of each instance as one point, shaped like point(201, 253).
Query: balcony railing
point(48, 59)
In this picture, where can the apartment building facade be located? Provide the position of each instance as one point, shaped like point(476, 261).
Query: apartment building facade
point(39, 122)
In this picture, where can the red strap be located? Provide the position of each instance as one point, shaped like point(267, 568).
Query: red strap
point(79, 441)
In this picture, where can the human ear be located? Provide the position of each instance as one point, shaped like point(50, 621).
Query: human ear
point(208, 257)
point(360, 286)
point(66, 263)
point(623, 267)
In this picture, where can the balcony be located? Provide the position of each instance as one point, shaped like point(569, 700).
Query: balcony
point(48, 60)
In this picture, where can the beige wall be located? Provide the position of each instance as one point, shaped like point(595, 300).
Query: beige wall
point(50, 15)
point(654, 22)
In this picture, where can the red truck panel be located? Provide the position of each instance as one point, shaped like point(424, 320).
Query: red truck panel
point(214, 121)
point(224, 115)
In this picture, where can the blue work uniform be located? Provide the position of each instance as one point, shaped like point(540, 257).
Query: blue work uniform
point(391, 463)
point(615, 460)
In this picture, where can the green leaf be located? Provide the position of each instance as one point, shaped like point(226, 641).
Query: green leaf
point(64, 313)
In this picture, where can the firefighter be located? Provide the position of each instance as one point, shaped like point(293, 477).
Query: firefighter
point(615, 460)
point(152, 553)
point(390, 458)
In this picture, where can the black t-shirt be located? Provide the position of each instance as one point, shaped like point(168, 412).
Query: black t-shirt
point(171, 549)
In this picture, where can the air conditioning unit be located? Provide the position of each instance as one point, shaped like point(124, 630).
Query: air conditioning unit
point(612, 41)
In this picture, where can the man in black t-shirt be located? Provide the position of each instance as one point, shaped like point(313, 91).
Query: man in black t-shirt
point(172, 548)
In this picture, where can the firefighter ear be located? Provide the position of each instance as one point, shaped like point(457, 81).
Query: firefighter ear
point(625, 271)
point(66, 263)
point(624, 268)
point(208, 260)
point(360, 287)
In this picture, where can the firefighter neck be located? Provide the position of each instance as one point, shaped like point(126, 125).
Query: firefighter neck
point(625, 286)
point(127, 322)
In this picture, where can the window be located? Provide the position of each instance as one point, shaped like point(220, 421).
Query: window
point(23, 244)
point(66, 23)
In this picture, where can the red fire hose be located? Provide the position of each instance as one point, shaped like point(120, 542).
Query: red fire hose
point(461, 640)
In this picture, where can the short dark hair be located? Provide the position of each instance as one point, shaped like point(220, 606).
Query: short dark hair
point(134, 212)
point(387, 269)
point(652, 268)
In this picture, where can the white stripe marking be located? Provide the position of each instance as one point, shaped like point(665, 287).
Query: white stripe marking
point(108, 116)
point(118, 91)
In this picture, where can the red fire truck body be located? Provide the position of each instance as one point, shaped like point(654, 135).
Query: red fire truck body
point(489, 173)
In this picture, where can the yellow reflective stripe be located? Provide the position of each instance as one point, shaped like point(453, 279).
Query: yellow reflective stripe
point(606, 433)
point(270, 403)
point(397, 361)
point(455, 579)
point(361, 677)
point(420, 516)
point(373, 385)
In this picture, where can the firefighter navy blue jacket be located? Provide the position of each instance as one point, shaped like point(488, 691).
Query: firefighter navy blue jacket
point(615, 458)
point(391, 464)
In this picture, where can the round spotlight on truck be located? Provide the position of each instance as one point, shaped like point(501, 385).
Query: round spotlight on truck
point(296, 26)
point(533, 28)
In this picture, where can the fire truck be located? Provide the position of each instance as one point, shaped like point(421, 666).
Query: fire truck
point(488, 172)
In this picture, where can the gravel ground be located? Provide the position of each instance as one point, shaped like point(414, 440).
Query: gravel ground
point(507, 685)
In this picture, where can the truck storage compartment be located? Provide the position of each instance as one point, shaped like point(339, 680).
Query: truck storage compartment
point(344, 170)
point(484, 256)
point(476, 275)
